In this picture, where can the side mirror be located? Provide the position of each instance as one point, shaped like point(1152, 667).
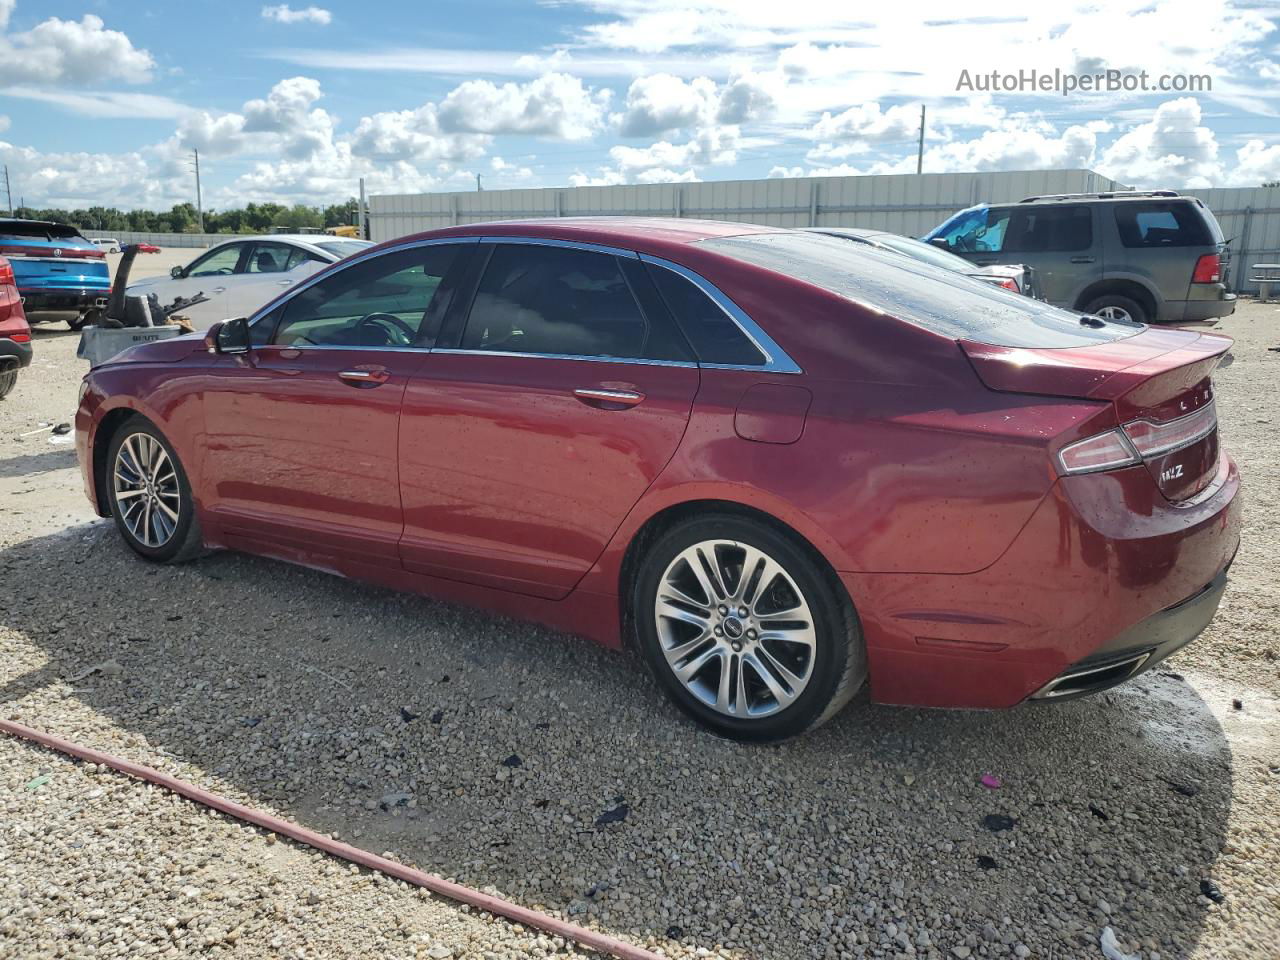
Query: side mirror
point(228, 336)
point(941, 242)
point(177, 273)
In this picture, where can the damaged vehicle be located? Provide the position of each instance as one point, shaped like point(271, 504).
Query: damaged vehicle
point(782, 465)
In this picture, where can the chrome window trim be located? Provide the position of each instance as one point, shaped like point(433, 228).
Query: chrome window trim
point(457, 351)
point(570, 244)
point(776, 359)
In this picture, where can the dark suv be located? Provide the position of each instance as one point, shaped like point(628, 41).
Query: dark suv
point(1153, 257)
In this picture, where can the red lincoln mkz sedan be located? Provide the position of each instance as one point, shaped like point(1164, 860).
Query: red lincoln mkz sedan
point(781, 464)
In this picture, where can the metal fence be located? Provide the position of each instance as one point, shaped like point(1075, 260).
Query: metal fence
point(908, 204)
point(161, 239)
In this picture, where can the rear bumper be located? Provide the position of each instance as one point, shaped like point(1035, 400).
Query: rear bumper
point(1208, 301)
point(43, 304)
point(1139, 648)
point(11, 351)
point(1105, 567)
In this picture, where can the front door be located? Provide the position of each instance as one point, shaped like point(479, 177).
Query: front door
point(301, 431)
point(525, 441)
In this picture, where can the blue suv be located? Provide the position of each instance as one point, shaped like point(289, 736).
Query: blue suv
point(60, 275)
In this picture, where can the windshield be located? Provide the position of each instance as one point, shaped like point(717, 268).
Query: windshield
point(925, 251)
point(343, 248)
point(972, 229)
point(937, 300)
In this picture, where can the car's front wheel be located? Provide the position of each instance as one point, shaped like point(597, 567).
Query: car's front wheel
point(150, 495)
point(745, 630)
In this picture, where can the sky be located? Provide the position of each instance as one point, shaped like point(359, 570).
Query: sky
point(103, 101)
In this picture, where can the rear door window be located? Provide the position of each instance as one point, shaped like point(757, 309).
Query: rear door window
point(562, 301)
point(715, 337)
point(1039, 228)
point(1161, 225)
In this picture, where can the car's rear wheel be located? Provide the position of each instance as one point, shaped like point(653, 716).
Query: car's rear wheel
point(8, 379)
point(745, 630)
point(150, 495)
point(1113, 306)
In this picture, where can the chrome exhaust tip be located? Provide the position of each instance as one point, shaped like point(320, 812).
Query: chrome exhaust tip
point(1088, 679)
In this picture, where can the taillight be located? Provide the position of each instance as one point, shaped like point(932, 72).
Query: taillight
point(1136, 441)
point(1010, 284)
point(6, 273)
point(1106, 451)
point(1208, 269)
point(20, 337)
point(1152, 439)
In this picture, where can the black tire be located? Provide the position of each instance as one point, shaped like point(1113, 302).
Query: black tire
point(7, 381)
point(185, 541)
point(1117, 302)
point(839, 663)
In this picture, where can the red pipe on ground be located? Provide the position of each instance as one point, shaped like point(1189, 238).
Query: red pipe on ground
point(454, 891)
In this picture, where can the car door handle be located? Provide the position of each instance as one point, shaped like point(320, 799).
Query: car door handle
point(608, 399)
point(364, 378)
point(219, 289)
point(284, 283)
point(1082, 259)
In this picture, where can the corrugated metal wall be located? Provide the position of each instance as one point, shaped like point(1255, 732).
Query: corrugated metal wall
point(907, 203)
point(162, 239)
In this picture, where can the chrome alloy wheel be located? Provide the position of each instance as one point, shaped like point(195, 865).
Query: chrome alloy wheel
point(146, 490)
point(735, 629)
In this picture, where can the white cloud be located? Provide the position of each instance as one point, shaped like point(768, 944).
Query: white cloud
point(661, 102)
point(283, 13)
point(105, 103)
point(868, 122)
point(1256, 164)
point(72, 52)
point(1172, 149)
point(414, 136)
point(81, 179)
point(553, 105)
point(4, 120)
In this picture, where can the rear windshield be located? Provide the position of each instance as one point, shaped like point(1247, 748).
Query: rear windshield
point(937, 300)
point(39, 230)
point(343, 248)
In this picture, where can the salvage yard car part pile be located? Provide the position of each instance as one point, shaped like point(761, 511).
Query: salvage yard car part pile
point(454, 891)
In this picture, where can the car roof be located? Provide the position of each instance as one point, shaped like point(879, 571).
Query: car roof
point(311, 241)
point(644, 234)
point(858, 232)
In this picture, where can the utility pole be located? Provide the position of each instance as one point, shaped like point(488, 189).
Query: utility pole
point(478, 187)
point(920, 152)
point(361, 214)
point(199, 205)
point(8, 190)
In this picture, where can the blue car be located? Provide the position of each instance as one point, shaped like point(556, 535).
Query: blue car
point(60, 274)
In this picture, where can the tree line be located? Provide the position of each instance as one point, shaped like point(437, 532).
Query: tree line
point(252, 218)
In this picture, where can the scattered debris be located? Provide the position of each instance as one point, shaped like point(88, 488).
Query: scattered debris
point(542, 726)
point(1237, 704)
point(615, 815)
point(513, 761)
point(62, 429)
point(389, 800)
point(1186, 789)
point(108, 668)
point(44, 778)
point(407, 715)
point(1212, 890)
point(990, 781)
point(674, 932)
point(1110, 948)
point(985, 862)
point(1171, 675)
point(1098, 812)
point(251, 721)
point(437, 717)
point(995, 822)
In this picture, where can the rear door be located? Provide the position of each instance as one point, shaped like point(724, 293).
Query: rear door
point(302, 430)
point(553, 404)
point(270, 269)
point(1059, 241)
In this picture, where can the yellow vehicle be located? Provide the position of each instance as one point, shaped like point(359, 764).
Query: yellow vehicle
point(346, 231)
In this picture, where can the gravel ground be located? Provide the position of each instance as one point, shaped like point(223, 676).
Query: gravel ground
point(552, 772)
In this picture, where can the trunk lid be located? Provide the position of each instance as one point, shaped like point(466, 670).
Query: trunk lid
point(1158, 381)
